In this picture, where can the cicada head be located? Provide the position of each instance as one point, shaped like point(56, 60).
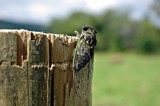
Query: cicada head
point(89, 35)
point(88, 31)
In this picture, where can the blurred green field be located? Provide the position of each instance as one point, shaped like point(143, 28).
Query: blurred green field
point(126, 80)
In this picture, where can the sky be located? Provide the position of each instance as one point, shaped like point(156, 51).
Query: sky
point(43, 11)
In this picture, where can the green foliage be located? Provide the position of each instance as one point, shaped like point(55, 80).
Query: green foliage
point(72, 23)
point(116, 31)
point(148, 38)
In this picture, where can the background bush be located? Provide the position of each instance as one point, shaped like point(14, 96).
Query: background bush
point(116, 31)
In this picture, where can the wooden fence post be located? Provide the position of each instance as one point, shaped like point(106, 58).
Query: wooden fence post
point(36, 70)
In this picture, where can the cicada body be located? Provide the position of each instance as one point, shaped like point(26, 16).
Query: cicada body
point(82, 62)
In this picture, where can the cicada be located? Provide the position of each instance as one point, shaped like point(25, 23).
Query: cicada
point(82, 60)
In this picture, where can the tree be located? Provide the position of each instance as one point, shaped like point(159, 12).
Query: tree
point(70, 24)
point(147, 38)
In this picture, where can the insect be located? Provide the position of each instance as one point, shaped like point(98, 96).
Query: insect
point(83, 54)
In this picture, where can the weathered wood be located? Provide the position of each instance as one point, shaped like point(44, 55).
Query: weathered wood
point(36, 70)
point(13, 78)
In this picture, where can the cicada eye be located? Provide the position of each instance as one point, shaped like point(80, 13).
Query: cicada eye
point(85, 28)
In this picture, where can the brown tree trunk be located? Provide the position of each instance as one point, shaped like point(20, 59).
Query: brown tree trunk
point(36, 70)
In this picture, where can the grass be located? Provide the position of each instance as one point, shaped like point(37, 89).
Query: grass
point(126, 80)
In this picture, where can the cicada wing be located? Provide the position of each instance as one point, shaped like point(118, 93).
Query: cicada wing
point(82, 81)
point(82, 70)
